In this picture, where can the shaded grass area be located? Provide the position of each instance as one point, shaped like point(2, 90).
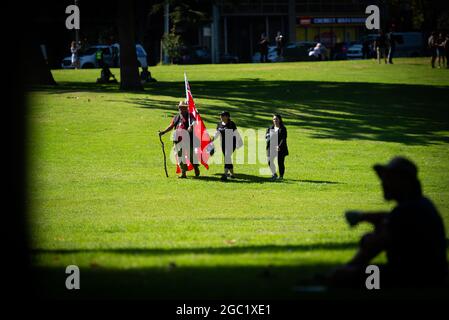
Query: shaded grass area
point(216, 283)
point(99, 198)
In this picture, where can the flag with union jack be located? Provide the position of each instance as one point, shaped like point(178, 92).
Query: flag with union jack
point(203, 147)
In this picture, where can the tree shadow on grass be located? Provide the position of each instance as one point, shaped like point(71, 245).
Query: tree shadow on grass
point(230, 249)
point(180, 282)
point(408, 114)
point(229, 281)
point(186, 283)
point(173, 281)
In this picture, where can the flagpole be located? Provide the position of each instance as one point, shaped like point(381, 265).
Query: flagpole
point(185, 85)
point(187, 97)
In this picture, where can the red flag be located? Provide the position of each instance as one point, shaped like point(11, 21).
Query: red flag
point(202, 151)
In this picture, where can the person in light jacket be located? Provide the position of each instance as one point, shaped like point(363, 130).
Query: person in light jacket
point(276, 138)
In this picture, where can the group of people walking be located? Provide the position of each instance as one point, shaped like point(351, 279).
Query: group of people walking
point(226, 130)
point(439, 49)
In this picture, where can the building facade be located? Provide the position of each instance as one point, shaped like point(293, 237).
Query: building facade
point(241, 23)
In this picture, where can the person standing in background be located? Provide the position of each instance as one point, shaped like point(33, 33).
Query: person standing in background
point(74, 49)
point(440, 50)
point(446, 50)
point(391, 42)
point(432, 43)
point(263, 48)
point(280, 42)
point(380, 45)
point(226, 130)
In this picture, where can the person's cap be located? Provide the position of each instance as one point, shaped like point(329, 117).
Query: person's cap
point(398, 166)
point(182, 104)
point(225, 113)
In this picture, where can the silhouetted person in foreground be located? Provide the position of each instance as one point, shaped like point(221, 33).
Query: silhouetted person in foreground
point(412, 235)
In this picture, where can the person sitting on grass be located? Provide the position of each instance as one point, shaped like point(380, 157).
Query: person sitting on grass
point(412, 235)
point(145, 76)
point(106, 75)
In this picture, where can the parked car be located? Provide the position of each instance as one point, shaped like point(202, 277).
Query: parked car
point(228, 58)
point(88, 57)
point(272, 55)
point(409, 44)
point(355, 52)
point(298, 51)
point(193, 55)
point(340, 49)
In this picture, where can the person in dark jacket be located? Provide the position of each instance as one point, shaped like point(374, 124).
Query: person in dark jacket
point(226, 129)
point(412, 234)
point(381, 46)
point(276, 138)
point(433, 46)
point(391, 45)
point(263, 48)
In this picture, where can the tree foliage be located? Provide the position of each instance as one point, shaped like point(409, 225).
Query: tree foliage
point(171, 44)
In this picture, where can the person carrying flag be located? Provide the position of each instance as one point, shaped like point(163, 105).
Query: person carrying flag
point(192, 142)
point(183, 139)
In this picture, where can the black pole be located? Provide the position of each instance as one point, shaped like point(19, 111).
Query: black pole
point(77, 34)
point(165, 158)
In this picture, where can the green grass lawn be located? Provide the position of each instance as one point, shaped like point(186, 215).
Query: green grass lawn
point(99, 198)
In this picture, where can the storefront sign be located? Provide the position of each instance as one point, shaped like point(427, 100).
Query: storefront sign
point(336, 20)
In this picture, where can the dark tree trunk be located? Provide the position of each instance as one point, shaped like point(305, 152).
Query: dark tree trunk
point(129, 70)
point(36, 70)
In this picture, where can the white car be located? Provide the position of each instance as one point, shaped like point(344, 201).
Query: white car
point(355, 52)
point(88, 57)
